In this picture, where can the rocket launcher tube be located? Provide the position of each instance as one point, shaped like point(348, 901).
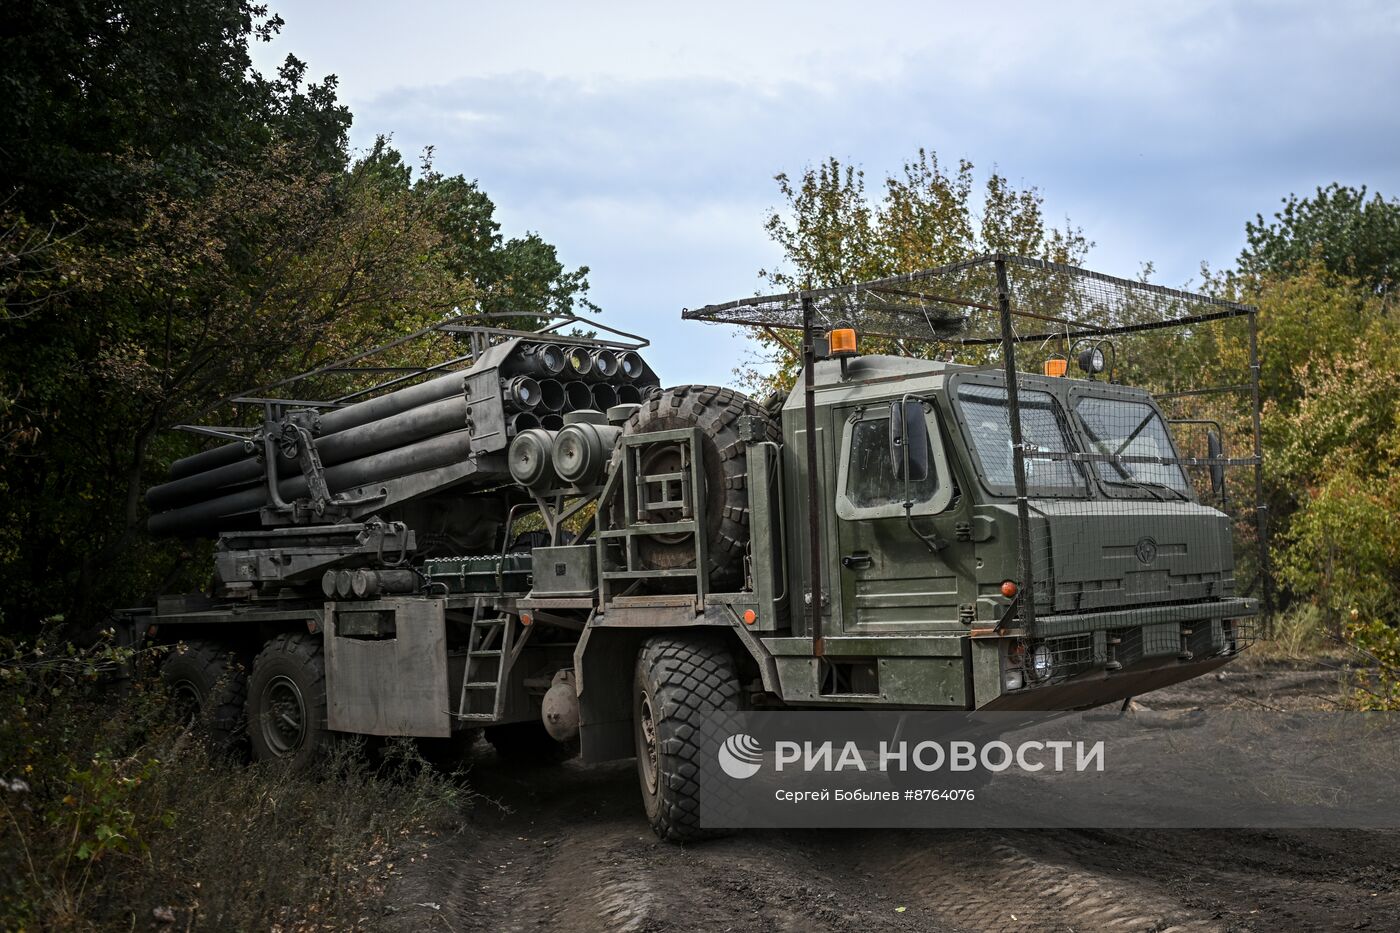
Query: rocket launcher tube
point(577, 396)
point(604, 363)
point(341, 419)
point(214, 514)
point(629, 365)
point(552, 395)
point(604, 396)
point(522, 393)
point(376, 436)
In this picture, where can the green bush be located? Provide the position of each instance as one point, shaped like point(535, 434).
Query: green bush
point(1343, 548)
point(116, 815)
point(1378, 687)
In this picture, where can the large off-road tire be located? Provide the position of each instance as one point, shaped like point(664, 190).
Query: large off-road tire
point(528, 744)
point(209, 684)
point(287, 701)
point(716, 412)
point(680, 682)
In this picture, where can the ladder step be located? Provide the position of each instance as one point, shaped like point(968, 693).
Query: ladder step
point(492, 631)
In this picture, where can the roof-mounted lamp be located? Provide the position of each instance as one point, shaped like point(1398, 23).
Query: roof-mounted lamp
point(841, 343)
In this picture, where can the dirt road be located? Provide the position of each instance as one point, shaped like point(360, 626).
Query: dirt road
point(572, 851)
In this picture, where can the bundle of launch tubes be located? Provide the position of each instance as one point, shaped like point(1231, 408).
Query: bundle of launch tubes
point(408, 431)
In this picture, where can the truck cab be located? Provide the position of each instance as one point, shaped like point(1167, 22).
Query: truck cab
point(1132, 577)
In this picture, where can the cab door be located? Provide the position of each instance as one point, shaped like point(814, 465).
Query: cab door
point(895, 579)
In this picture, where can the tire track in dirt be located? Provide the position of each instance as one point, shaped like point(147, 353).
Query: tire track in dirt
point(987, 881)
point(559, 857)
point(1260, 879)
point(574, 853)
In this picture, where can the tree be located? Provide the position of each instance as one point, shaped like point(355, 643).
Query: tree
point(175, 228)
point(87, 83)
point(1323, 275)
point(517, 275)
point(1338, 451)
point(831, 233)
point(1339, 448)
point(1338, 227)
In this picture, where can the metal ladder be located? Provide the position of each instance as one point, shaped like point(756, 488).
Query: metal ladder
point(491, 650)
point(644, 493)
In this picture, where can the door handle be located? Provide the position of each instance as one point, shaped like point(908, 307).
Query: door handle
point(860, 560)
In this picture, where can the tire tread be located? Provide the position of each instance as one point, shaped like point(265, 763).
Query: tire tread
point(716, 411)
point(692, 677)
point(308, 653)
point(220, 668)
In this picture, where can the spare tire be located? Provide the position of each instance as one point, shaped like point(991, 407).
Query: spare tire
point(716, 412)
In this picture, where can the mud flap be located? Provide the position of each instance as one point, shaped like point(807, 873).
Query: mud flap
point(604, 681)
point(386, 667)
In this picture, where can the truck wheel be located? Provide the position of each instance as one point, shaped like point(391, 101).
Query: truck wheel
point(716, 412)
point(527, 743)
point(679, 682)
point(287, 701)
point(209, 685)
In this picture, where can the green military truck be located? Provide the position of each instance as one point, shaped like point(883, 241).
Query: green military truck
point(533, 538)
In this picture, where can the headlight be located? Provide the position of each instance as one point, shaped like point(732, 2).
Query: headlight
point(1042, 662)
point(1091, 360)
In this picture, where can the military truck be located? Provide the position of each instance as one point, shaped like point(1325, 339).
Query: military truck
point(534, 539)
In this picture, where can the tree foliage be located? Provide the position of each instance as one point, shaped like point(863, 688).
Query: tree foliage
point(1339, 448)
point(176, 227)
point(832, 231)
point(1337, 227)
point(1323, 279)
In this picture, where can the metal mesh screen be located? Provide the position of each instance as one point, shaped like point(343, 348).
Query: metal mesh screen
point(1128, 441)
point(960, 304)
point(1141, 492)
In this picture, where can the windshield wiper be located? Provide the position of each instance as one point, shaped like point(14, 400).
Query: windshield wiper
point(1136, 431)
point(1171, 489)
point(1148, 486)
point(1113, 462)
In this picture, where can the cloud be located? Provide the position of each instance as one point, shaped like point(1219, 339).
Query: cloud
point(646, 149)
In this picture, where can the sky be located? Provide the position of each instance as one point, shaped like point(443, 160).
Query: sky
point(642, 138)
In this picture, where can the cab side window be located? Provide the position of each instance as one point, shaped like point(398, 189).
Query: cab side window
point(867, 486)
point(870, 479)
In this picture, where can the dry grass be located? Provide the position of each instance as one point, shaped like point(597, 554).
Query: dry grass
point(116, 817)
point(1299, 636)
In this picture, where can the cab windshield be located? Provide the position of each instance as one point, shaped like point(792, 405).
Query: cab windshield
point(1133, 434)
point(987, 422)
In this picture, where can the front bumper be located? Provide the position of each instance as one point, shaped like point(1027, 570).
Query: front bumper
point(1095, 688)
point(1050, 626)
point(1074, 661)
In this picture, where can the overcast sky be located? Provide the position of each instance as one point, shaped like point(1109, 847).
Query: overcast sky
point(641, 138)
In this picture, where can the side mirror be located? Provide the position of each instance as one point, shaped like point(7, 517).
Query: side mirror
point(908, 440)
point(1215, 448)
